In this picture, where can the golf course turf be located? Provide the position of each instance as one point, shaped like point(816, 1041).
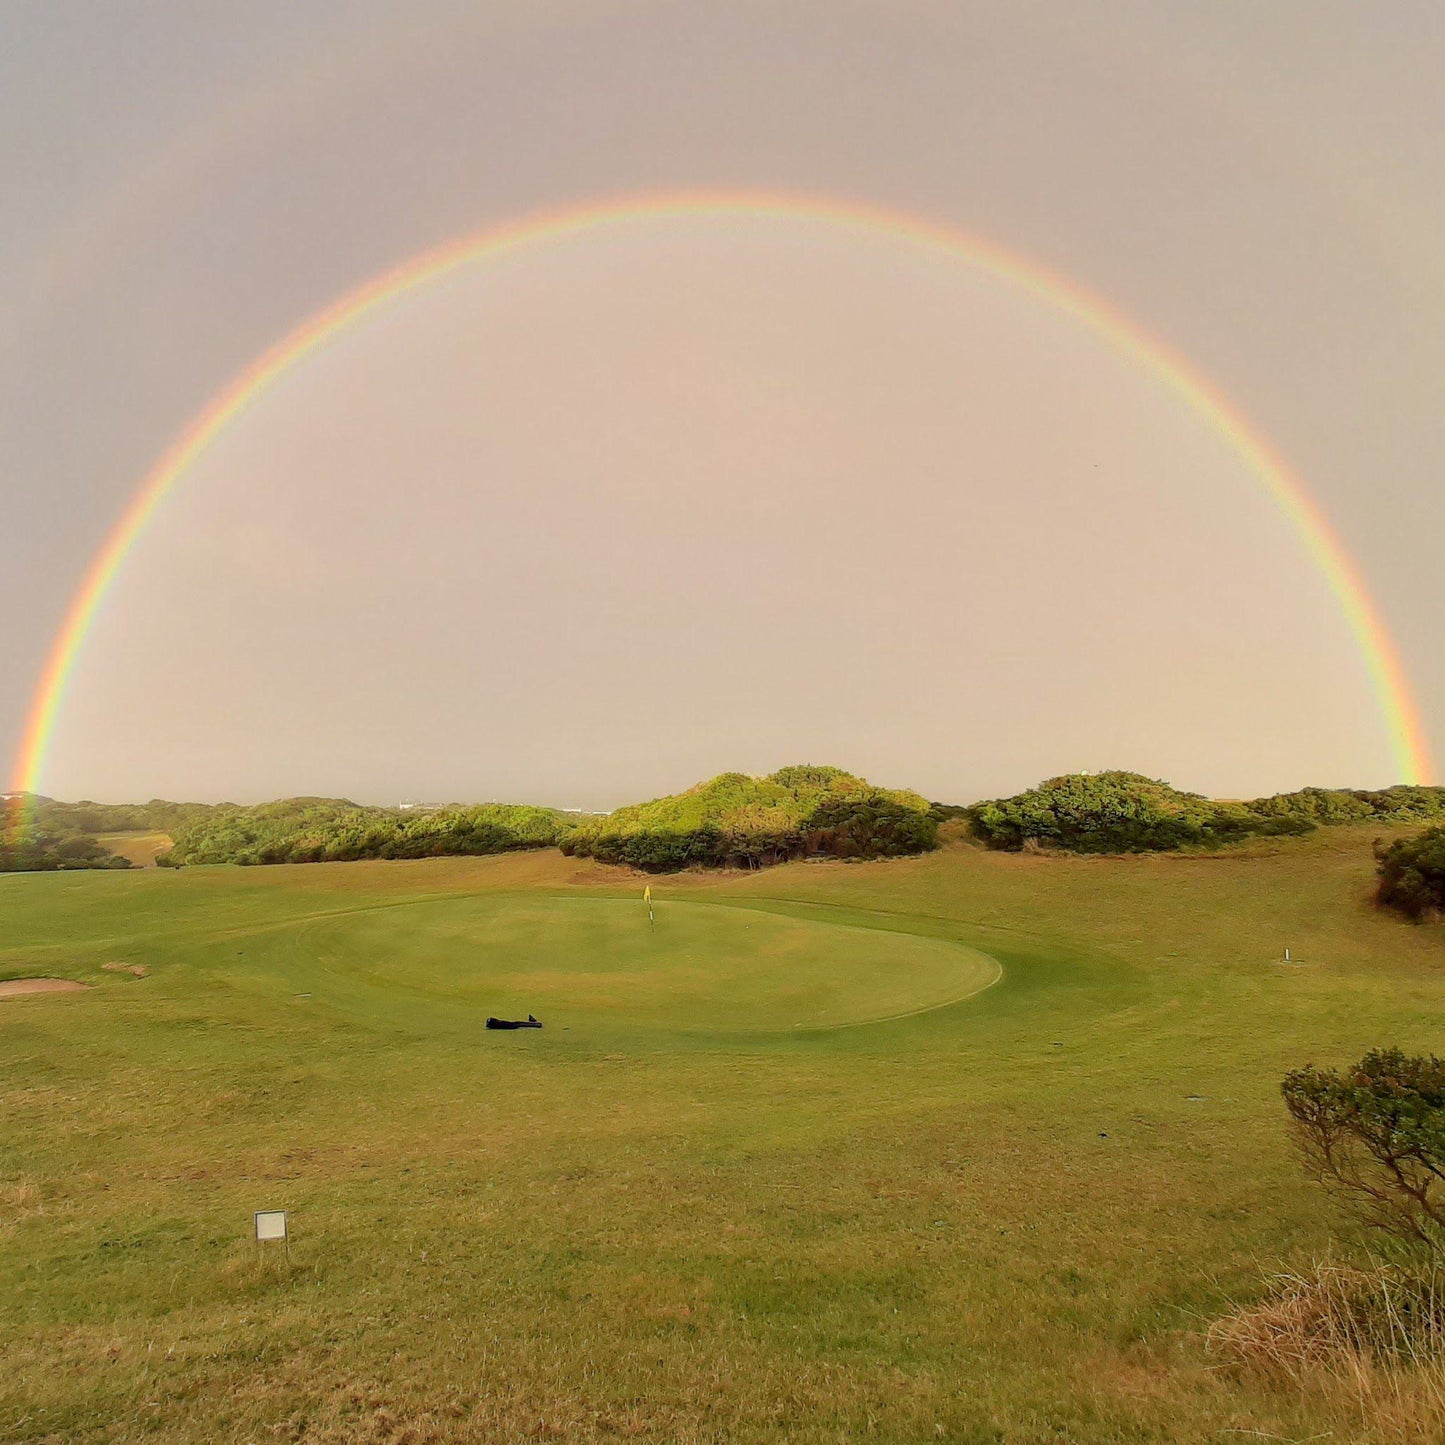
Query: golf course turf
point(970, 1146)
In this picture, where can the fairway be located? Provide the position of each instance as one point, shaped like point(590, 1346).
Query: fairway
point(969, 1146)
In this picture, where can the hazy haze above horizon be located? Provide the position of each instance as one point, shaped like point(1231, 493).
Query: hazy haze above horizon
point(686, 494)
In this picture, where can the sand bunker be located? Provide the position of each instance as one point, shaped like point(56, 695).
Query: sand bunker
point(12, 988)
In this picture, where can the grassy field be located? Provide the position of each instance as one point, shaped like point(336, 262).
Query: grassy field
point(968, 1147)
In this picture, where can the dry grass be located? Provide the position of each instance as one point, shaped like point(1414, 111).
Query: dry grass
point(19, 1196)
point(1369, 1342)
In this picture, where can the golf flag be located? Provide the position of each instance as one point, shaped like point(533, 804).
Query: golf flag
point(647, 898)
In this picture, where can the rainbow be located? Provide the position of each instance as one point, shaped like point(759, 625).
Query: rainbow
point(1386, 673)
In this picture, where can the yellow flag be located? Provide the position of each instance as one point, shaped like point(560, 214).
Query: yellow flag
point(647, 894)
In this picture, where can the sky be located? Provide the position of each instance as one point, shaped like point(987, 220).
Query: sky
point(682, 494)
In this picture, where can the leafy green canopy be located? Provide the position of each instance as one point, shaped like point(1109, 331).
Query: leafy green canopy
point(1120, 812)
point(742, 821)
point(1412, 874)
point(317, 830)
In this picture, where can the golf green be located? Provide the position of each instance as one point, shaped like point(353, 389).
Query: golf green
point(580, 961)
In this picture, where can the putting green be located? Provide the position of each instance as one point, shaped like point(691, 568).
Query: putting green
point(575, 960)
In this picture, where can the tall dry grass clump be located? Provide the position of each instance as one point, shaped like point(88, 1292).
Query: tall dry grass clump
point(1371, 1341)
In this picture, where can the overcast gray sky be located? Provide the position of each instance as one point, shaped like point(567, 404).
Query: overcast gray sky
point(718, 492)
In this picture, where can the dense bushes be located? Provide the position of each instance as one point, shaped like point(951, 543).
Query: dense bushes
point(1121, 812)
point(27, 849)
point(735, 820)
point(1412, 875)
point(316, 830)
point(1104, 813)
point(156, 816)
point(1328, 806)
point(36, 836)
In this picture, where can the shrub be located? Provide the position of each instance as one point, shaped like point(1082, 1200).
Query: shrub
point(1106, 813)
point(1375, 1132)
point(734, 820)
point(869, 825)
point(1120, 812)
point(1412, 875)
point(316, 830)
point(25, 848)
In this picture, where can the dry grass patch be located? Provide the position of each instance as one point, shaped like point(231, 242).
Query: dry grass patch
point(139, 848)
point(1370, 1342)
point(18, 1197)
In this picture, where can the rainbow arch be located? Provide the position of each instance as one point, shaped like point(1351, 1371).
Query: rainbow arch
point(1387, 676)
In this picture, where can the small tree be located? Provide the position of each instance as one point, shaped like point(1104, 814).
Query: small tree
point(1376, 1132)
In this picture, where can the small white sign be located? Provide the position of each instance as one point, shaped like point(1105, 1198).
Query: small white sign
point(270, 1224)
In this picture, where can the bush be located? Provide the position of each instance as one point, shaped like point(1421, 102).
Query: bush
point(735, 820)
point(1106, 813)
point(26, 847)
point(1120, 812)
point(869, 825)
point(1412, 875)
point(1376, 1134)
point(317, 830)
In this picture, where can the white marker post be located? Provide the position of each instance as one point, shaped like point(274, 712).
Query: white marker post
point(271, 1224)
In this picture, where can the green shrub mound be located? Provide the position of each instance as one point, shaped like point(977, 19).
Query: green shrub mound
point(156, 816)
point(1106, 813)
point(1325, 807)
point(1119, 812)
point(735, 820)
point(28, 849)
point(41, 835)
point(324, 830)
point(1412, 875)
point(38, 836)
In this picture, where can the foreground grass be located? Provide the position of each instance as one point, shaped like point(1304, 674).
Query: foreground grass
point(1004, 1219)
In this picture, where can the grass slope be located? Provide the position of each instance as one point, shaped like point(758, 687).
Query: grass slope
point(139, 848)
point(672, 1215)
